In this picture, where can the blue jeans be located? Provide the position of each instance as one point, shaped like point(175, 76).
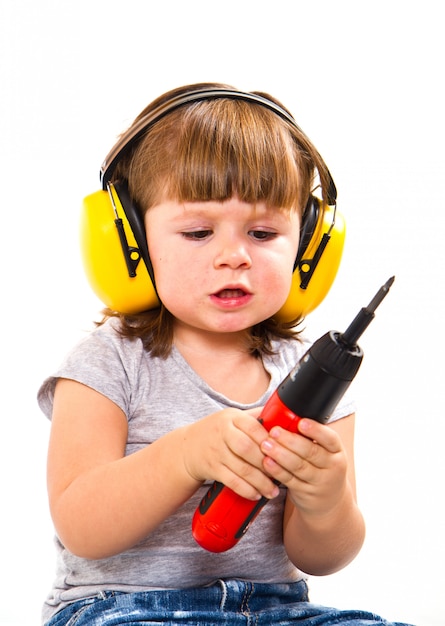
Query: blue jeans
point(227, 602)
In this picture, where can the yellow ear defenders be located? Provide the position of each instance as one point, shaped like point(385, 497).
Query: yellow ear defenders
point(114, 245)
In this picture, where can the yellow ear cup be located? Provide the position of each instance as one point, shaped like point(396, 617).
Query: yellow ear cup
point(300, 301)
point(104, 262)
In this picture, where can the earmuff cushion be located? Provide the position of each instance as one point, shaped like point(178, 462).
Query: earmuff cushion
point(309, 223)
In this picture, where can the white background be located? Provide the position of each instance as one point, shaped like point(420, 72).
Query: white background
point(365, 81)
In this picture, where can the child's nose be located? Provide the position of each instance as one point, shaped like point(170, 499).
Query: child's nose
point(233, 253)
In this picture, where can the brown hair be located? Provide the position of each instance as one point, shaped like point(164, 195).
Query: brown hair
point(213, 149)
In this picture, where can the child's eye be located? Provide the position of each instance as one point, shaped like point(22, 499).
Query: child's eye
point(196, 234)
point(262, 235)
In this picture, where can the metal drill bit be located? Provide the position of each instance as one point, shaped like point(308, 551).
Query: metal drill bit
point(365, 316)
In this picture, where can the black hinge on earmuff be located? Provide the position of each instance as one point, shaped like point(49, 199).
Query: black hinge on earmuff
point(312, 215)
point(307, 266)
point(132, 255)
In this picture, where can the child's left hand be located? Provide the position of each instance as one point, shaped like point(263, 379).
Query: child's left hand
point(312, 464)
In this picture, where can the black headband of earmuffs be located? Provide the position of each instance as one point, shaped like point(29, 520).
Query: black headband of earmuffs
point(138, 129)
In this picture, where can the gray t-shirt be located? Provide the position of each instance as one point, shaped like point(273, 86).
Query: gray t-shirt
point(158, 395)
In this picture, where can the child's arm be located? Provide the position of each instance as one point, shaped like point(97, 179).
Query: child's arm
point(103, 502)
point(323, 527)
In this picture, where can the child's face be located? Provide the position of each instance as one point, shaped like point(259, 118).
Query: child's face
point(222, 266)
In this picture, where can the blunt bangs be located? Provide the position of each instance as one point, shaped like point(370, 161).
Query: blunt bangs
point(216, 149)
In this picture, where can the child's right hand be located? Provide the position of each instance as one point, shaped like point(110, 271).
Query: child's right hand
point(225, 446)
point(88, 469)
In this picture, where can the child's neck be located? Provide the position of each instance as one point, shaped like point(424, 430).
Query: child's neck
point(223, 362)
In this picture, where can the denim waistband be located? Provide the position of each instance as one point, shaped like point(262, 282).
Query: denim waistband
point(224, 603)
point(224, 595)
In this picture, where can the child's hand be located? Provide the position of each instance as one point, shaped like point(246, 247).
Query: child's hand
point(226, 446)
point(313, 467)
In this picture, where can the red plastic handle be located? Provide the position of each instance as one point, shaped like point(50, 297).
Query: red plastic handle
point(223, 516)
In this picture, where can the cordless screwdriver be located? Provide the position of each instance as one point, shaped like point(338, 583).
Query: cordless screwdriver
point(312, 389)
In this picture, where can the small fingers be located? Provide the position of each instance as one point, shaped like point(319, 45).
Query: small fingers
point(288, 455)
point(305, 450)
point(320, 433)
point(249, 482)
point(286, 466)
point(244, 471)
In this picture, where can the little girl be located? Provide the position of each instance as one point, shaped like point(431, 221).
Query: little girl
point(163, 397)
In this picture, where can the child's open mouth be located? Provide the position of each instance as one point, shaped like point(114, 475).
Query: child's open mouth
point(230, 293)
point(232, 298)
